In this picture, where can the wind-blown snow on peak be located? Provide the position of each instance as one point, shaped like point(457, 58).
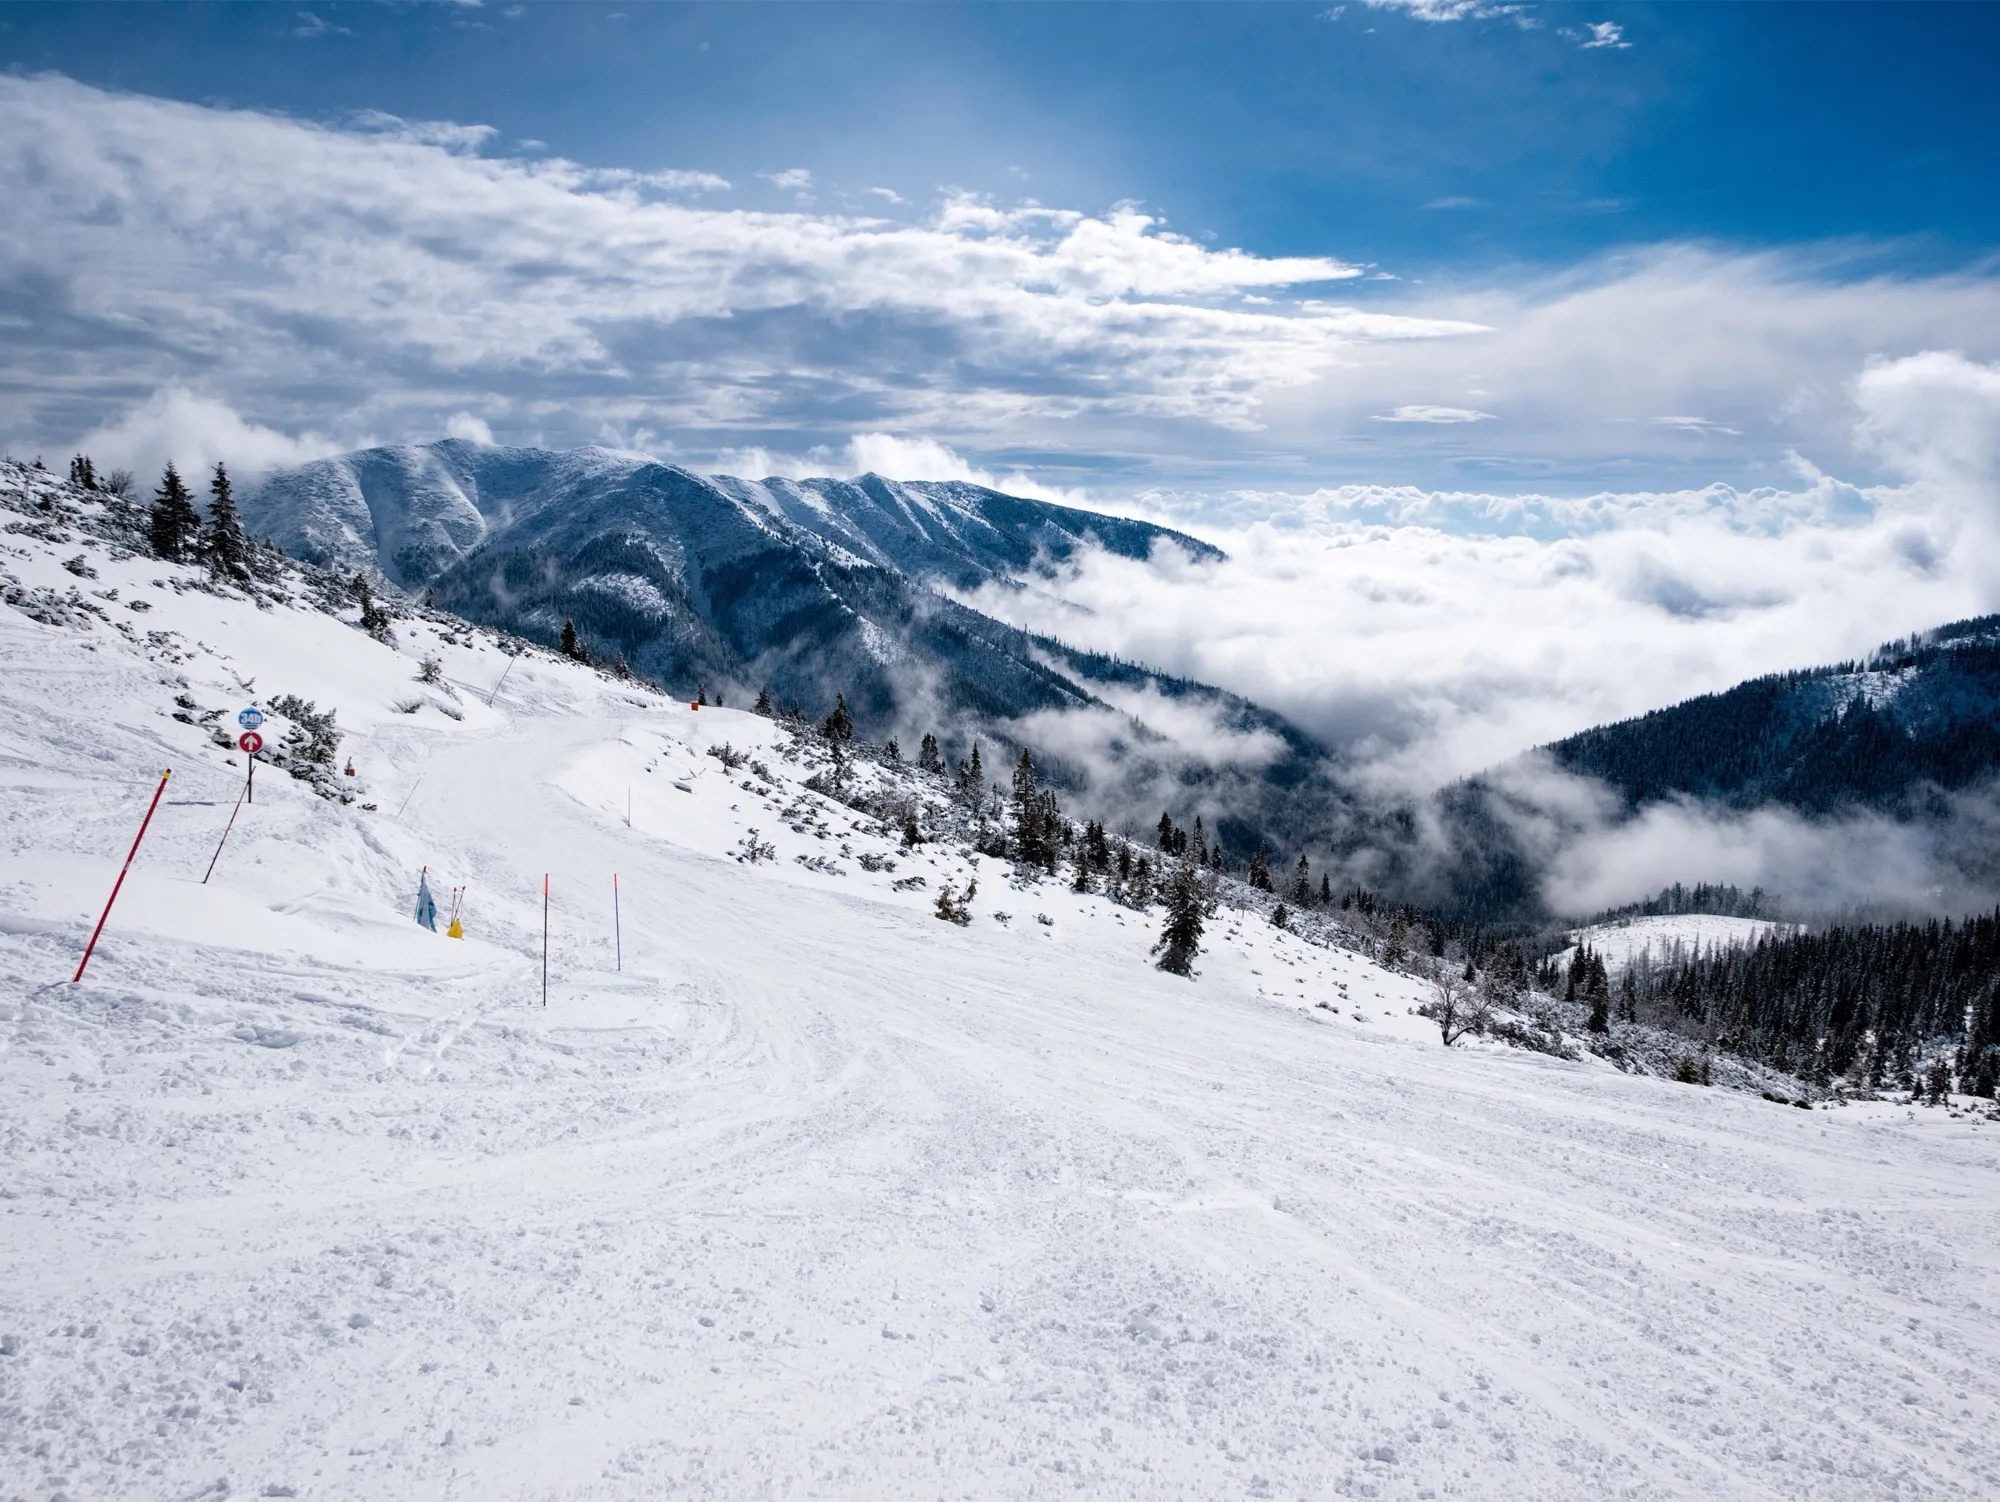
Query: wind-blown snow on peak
point(413, 511)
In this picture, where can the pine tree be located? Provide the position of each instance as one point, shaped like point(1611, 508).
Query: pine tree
point(929, 758)
point(174, 523)
point(1628, 997)
point(1325, 890)
point(893, 753)
point(1281, 915)
point(1600, 1007)
point(374, 619)
point(82, 473)
point(1201, 857)
point(572, 644)
point(763, 706)
point(224, 548)
point(1139, 886)
point(1302, 891)
point(701, 695)
point(1260, 872)
point(1164, 836)
point(1180, 940)
point(838, 727)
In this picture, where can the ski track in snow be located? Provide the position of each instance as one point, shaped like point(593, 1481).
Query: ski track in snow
point(819, 1196)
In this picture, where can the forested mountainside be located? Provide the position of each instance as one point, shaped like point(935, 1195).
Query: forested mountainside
point(1918, 715)
point(821, 590)
point(1907, 733)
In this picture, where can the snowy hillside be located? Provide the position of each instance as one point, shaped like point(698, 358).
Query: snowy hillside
point(807, 1193)
point(1663, 938)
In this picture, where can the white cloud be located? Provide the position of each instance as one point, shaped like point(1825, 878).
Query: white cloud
point(791, 180)
point(195, 432)
point(383, 269)
point(1582, 361)
point(1698, 425)
point(1420, 412)
point(310, 25)
point(1432, 634)
point(383, 275)
point(1448, 10)
point(1604, 34)
point(472, 429)
point(672, 181)
point(928, 459)
point(888, 194)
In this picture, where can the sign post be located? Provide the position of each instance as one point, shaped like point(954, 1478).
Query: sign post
point(250, 743)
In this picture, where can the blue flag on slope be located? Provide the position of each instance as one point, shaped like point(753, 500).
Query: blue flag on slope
point(427, 908)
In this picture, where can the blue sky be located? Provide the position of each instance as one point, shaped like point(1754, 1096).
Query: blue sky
point(1548, 248)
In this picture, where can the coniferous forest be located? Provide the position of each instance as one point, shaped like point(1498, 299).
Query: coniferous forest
point(1908, 1005)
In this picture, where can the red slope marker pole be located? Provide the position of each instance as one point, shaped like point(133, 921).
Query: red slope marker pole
point(116, 885)
point(545, 938)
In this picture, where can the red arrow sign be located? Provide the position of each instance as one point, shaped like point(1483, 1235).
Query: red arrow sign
point(250, 741)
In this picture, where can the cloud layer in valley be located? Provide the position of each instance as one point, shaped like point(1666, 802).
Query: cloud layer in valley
point(1428, 636)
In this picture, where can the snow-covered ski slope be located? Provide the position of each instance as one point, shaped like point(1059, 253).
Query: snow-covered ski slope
point(819, 1196)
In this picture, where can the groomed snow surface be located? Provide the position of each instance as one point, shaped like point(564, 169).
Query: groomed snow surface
point(819, 1196)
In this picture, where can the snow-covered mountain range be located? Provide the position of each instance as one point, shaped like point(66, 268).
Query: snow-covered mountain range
point(816, 588)
point(791, 1188)
point(813, 587)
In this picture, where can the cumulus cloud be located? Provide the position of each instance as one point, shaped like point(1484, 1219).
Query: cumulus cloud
point(1602, 34)
point(381, 274)
point(193, 431)
point(1583, 362)
point(380, 268)
point(791, 180)
point(472, 429)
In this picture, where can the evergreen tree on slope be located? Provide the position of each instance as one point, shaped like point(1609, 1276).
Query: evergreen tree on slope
point(174, 523)
point(224, 548)
point(1180, 940)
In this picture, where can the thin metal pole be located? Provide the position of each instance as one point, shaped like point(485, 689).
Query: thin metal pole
point(545, 938)
point(617, 928)
point(118, 884)
point(408, 796)
point(502, 683)
point(225, 835)
point(250, 782)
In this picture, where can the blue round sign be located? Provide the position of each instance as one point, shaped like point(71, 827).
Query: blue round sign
point(250, 718)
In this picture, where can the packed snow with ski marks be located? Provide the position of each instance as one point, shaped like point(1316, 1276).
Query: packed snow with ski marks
point(819, 1196)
